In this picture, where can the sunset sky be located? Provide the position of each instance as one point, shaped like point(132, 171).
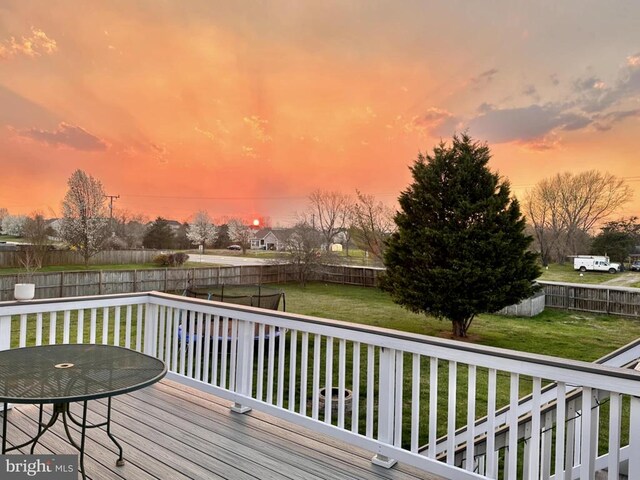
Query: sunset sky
point(244, 108)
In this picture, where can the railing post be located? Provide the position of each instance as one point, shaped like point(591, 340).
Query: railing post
point(244, 364)
point(386, 404)
point(5, 332)
point(5, 338)
point(151, 330)
point(634, 438)
point(588, 447)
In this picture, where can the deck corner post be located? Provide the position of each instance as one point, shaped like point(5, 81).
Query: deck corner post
point(386, 408)
point(244, 364)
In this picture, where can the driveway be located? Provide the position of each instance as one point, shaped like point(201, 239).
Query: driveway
point(624, 279)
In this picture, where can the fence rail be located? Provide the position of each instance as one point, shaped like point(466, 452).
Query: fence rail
point(11, 259)
point(606, 299)
point(83, 283)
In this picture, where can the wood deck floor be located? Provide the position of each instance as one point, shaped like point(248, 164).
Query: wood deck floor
point(169, 432)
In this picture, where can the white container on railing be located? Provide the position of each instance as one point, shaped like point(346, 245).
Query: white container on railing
point(24, 291)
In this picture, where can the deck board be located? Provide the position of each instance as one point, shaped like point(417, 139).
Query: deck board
point(169, 431)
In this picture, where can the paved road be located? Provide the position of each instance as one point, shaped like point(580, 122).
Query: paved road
point(229, 260)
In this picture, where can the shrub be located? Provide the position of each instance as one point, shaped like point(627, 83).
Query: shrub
point(171, 259)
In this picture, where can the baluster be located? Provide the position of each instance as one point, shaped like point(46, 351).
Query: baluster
point(634, 438)
point(399, 384)
point(66, 326)
point(341, 381)
point(370, 393)
point(206, 339)
point(127, 328)
point(80, 328)
point(214, 356)
point(116, 327)
point(281, 352)
point(304, 366)
point(355, 389)
point(512, 473)
point(260, 372)
point(491, 464)
point(293, 351)
point(105, 325)
point(39, 329)
point(328, 376)
point(561, 419)
point(451, 412)
point(139, 333)
point(415, 402)
point(92, 326)
point(23, 330)
point(433, 406)
point(534, 443)
point(471, 417)
point(315, 399)
point(271, 359)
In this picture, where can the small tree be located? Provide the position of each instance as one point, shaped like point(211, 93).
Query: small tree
point(36, 231)
point(159, 234)
point(304, 247)
point(201, 230)
point(460, 247)
point(240, 233)
point(85, 220)
point(372, 224)
point(13, 225)
point(329, 212)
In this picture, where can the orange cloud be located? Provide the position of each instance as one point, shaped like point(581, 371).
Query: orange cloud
point(34, 45)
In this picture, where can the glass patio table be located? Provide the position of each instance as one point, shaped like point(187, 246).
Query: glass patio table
point(64, 374)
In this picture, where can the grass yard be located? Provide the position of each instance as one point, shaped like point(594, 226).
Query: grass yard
point(126, 266)
point(566, 273)
point(574, 335)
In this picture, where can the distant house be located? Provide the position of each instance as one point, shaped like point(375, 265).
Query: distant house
point(270, 239)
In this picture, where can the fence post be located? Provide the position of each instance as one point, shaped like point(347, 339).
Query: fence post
point(100, 283)
point(386, 405)
point(61, 284)
point(135, 281)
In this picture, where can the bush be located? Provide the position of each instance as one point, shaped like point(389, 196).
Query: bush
point(171, 259)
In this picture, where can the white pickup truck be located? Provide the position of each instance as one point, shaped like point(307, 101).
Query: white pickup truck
point(595, 263)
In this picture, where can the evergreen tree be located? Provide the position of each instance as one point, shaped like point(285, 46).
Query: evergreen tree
point(159, 234)
point(460, 247)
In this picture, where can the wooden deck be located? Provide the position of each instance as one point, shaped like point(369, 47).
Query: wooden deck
point(169, 432)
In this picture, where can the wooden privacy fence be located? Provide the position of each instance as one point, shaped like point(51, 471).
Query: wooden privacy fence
point(607, 299)
point(68, 257)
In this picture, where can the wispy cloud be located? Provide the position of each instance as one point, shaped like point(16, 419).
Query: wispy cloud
point(258, 128)
point(34, 45)
point(484, 78)
point(65, 135)
point(590, 102)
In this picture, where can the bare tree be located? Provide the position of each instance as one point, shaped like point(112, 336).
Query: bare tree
point(129, 228)
point(304, 246)
point(329, 213)
point(36, 231)
point(3, 213)
point(565, 208)
point(240, 233)
point(372, 224)
point(85, 220)
point(201, 231)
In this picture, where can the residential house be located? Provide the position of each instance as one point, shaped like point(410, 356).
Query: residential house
point(270, 239)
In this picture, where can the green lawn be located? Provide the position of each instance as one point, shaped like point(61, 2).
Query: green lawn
point(565, 273)
point(126, 266)
point(575, 335)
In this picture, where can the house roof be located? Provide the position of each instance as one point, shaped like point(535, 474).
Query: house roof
point(280, 233)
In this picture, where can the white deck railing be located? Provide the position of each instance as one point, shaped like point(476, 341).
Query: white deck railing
point(408, 390)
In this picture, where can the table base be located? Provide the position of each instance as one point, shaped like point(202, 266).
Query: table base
point(62, 409)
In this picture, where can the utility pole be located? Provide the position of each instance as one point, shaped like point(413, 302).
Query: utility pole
point(111, 199)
